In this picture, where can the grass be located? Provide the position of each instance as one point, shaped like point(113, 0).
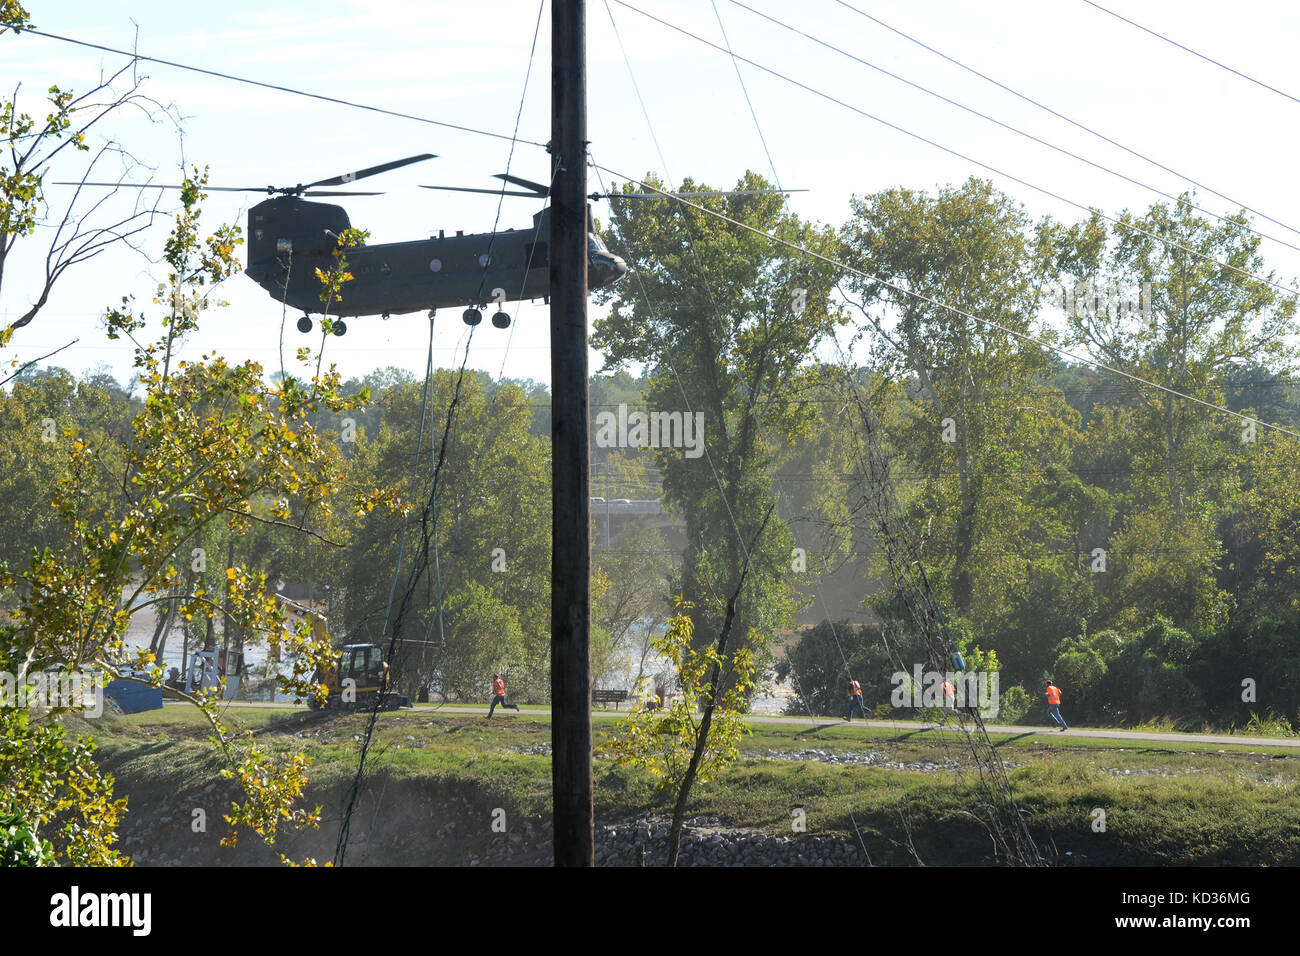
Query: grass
point(185, 722)
point(1177, 804)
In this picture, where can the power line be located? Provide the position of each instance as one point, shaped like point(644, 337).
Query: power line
point(1187, 49)
point(1007, 126)
point(943, 305)
point(1061, 116)
point(970, 159)
point(699, 266)
point(429, 515)
point(708, 288)
point(283, 89)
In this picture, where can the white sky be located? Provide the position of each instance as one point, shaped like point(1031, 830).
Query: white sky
point(464, 63)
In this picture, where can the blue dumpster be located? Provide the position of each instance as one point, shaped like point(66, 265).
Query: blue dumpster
point(133, 698)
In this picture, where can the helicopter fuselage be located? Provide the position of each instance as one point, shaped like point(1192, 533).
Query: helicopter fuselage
point(290, 238)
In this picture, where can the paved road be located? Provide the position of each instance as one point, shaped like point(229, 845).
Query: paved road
point(904, 727)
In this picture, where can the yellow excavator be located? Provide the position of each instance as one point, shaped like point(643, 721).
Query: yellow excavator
point(357, 675)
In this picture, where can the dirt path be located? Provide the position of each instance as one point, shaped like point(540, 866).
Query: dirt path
point(903, 727)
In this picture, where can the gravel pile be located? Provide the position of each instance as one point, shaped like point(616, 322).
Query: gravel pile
point(536, 750)
point(705, 842)
point(862, 758)
point(1118, 772)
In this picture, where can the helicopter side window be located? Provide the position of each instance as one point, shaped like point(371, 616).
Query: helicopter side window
point(535, 255)
point(594, 244)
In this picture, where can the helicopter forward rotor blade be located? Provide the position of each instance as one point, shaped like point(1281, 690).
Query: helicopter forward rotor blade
point(218, 189)
point(490, 192)
point(370, 171)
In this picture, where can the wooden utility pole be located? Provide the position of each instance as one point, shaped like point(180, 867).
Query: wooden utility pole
point(570, 451)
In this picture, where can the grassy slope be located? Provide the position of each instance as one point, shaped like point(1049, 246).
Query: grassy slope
point(1177, 805)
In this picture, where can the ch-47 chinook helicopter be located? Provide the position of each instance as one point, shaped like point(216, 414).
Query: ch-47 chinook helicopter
point(289, 238)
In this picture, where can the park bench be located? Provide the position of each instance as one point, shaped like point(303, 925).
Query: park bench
point(607, 697)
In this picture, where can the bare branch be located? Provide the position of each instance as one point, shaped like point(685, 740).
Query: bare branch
point(78, 234)
point(26, 365)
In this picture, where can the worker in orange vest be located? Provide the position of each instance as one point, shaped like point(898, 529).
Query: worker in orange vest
point(949, 695)
point(1054, 705)
point(855, 700)
point(499, 695)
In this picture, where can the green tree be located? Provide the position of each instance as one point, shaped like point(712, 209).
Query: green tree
point(631, 602)
point(698, 735)
point(212, 444)
point(1152, 299)
point(983, 440)
point(491, 529)
point(726, 319)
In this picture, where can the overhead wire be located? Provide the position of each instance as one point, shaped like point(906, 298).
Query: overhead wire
point(663, 351)
point(428, 517)
point(1061, 116)
point(990, 757)
point(730, 513)
point(338, 101)
point(1196, 53)
point(698, 265)
point(930, 300)
point(1007, 126)
point(1090, 210)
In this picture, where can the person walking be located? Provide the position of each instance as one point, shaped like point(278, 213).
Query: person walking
point(949, 695)
point(1054, 705)
point(499, 695)
point(855, 700)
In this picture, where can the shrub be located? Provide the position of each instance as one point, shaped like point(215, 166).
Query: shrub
point(1013, 704)
point(19, 846)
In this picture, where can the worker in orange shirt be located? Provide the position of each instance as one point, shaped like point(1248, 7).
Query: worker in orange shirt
point(499, 695)
point(949, 695)
point(1054, 705)
point(855, 700)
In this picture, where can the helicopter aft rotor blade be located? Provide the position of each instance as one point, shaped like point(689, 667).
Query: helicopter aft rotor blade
point(371, 171)
point(490, 192)
point(540, 191)
point(535, 190)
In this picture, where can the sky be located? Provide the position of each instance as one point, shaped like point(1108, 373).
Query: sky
point(465, 63)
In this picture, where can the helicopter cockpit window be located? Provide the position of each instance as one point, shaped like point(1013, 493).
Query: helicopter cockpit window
point(594, 244)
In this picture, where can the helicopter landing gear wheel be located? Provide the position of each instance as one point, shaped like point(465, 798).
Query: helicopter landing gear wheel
point(304, 324)
point(340, 327)
point(472, 316)
point(501, 320)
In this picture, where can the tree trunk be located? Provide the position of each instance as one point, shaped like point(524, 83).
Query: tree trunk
point(702, 735)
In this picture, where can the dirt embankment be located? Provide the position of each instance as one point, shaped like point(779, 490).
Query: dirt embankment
point(411, 822)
